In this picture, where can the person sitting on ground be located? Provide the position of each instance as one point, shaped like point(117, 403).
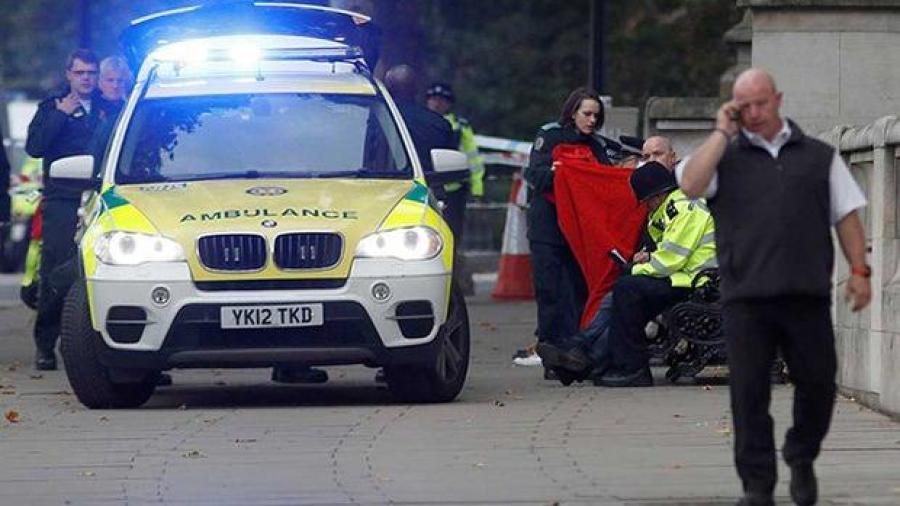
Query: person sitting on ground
point(613, 347)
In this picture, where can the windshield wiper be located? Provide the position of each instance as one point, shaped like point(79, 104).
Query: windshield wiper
point(247, 174)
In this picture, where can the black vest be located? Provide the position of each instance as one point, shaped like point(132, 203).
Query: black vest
point(773, 220)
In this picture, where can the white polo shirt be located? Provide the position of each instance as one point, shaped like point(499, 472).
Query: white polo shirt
point(845, 194)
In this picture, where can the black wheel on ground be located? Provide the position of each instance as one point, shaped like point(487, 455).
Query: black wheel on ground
point(89, 378)
point(442, 380)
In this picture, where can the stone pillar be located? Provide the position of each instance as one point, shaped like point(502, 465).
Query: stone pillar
point(835, 60)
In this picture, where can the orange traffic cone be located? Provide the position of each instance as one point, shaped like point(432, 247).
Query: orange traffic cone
point(514, 276)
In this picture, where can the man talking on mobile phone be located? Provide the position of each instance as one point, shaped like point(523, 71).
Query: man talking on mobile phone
point(775, 193)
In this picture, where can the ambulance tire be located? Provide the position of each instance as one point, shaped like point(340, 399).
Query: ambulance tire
point(442, 380)
point(90, 379)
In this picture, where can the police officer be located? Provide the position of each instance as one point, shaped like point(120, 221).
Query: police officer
point(439, 98)
point(560, 288)
point(4, 184)
point(683, 231)
point(63, 126)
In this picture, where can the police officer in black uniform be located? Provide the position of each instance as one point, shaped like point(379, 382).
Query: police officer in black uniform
point(560, 288)
point(63, 126)
point(4, 184)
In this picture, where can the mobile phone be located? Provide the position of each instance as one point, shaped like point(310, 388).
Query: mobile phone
point(617, 257)
point(736, 115)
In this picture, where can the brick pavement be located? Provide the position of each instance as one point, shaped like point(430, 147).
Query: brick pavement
point(232, 437)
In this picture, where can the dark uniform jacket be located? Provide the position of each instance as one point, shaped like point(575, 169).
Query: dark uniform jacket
point(53, 134)
point(4, 183)
point(542, 222)
point(429, 130)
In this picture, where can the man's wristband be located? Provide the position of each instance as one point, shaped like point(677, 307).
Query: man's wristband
point(864, 272)
point(723, 132)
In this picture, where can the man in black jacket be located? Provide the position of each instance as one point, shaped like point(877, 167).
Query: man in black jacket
point(63, 126)
point(775, 194)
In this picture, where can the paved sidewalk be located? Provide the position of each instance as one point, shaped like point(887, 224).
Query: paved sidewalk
point(232, 437)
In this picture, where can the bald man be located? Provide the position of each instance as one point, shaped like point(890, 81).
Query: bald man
point(659, 149)
point(775, 193)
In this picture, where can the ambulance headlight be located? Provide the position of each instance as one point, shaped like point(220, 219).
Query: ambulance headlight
point(412, 243)
point(130, 248)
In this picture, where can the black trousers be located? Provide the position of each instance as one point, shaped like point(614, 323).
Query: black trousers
point(755, 330)
point(559, 290)
point(636, 301)
point(57, 250)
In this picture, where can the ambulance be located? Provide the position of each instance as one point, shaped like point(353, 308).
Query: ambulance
point(261, 204)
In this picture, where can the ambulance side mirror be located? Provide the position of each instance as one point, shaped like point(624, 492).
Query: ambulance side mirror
point(450, 165)
point(73, 167)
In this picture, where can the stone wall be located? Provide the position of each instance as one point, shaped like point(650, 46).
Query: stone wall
point(868, 342)
point(835, 60)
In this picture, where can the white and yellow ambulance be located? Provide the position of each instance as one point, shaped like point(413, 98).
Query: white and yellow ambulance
point(261, 204)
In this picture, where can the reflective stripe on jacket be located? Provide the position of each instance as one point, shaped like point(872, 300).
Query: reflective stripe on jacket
point(685, 240)
point(468, 146)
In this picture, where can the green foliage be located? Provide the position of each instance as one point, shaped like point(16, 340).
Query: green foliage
point(512, 62)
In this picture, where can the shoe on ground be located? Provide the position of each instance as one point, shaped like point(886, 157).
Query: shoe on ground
point(45, 360)
point(574, 359)
point(298, 374)
point(532, 360)
point(804, 486)
point(524, 352)
point(164, 380)
point(617, 379)
point(753, 499)
point(550, 374)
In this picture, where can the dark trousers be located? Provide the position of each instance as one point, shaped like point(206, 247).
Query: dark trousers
point(455, 215)
point(57, 249)
point(636, 301)
point(559, 290)
point(755, 330)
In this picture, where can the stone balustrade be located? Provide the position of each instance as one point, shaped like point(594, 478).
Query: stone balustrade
point(868, 342)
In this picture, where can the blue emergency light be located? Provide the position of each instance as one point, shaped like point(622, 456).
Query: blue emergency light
point(178, 27)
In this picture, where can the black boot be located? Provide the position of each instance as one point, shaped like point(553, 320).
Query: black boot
point(756, 499)
point(640, 378)
point(804, 486)
point(45, 360)
point(298, 374)
point(573, 359)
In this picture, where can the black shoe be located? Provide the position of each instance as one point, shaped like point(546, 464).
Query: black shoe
point(573, 359)
point(164, 380)
point(640, 378)
point(550, 374)
point(45, 360)
point(753, 499)
point(298, 374)
point(804, 486)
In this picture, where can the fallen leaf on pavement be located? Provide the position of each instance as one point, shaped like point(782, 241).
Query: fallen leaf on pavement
point(35, 376)
point(193, 454)
point(238, 441)
point(182, 407)
point(676, 415)
point(87, 473)
point(499, 404)
point(478, 464)
point(707, 388)
point(12, 416)
point(104, 419)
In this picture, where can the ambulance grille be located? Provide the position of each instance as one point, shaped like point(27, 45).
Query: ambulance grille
point(233, 252)
point(308, 250)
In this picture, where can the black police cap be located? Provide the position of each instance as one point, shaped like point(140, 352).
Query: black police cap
point(651, 179)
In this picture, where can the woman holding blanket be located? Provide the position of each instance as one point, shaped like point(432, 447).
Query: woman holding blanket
point(560, 289)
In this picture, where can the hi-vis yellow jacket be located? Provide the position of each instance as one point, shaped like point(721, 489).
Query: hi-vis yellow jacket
point(683, 231)
point(468, 146)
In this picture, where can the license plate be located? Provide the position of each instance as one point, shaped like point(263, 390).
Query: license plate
point(271, 316)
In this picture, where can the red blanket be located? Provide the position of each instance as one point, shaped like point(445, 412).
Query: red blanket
point(597, 212)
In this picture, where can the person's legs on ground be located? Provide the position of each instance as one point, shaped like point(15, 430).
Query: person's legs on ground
point(58, 246)
point(808, 349)
point(636, 300)
point(750, 341)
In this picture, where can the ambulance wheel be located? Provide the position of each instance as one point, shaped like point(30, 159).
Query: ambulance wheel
point(443, 379)
point(90, 380)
